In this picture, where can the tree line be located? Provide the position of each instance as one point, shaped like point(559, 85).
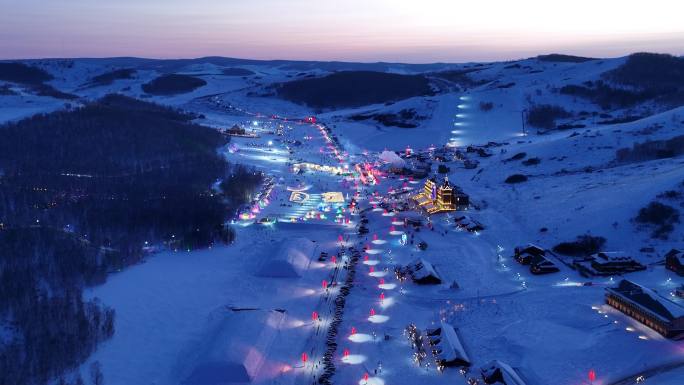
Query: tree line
point(82, 192)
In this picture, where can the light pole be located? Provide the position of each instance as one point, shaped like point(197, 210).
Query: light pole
point(522, 116)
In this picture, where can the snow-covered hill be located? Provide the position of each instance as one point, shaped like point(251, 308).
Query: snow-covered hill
point(177, 313)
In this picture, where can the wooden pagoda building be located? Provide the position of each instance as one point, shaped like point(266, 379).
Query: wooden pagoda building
point(440, 198)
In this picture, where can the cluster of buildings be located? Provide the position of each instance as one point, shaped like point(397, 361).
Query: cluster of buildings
point(535, 257)
point(642, 304)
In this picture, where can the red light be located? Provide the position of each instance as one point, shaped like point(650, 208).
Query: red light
point(592, 375)
point(372, 312)
point(304, 358)
point(314, 316)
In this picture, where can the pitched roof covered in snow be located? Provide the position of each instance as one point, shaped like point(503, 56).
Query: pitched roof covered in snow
point(613, 256)
point(648, 299)
point(501, 373)
point(422, 270)
point(452, 349)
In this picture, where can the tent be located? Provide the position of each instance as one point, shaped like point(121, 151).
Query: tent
point(231, 351)
point(217, 373)
point(292, 256)
point(278, 268)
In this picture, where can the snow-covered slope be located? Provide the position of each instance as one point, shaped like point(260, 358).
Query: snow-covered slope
point(177, 312)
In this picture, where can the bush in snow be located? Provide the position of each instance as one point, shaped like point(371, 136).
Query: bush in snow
point(516, 178)
point(486, 106)
point(173, 84)
point(531, 162)
point(545, 115)
point(108, 78)
point(584, 245)
point(660, 215)
point(23, 74)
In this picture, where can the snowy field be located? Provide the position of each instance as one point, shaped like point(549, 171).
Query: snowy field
point(244, 313)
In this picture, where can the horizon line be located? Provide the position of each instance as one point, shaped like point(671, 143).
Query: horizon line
point(323, 61)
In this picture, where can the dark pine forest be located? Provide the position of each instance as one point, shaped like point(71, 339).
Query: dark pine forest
point(82, 193)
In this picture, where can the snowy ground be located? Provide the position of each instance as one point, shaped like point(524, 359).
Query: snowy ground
point(548, 327)
point(182, 313)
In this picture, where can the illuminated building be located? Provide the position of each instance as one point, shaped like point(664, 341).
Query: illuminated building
point(647, 307)
point(440, 198)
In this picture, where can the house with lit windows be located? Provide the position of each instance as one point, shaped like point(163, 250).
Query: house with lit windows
point(648, 307)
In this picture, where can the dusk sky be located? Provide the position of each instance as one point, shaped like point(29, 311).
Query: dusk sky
point(354, 30)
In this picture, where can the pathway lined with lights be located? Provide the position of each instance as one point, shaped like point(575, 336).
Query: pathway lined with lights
point(351, 319)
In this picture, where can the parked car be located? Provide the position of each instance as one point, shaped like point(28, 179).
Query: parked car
point(679, 292)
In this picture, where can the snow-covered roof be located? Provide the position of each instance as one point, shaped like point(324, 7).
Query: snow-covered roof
point(218, 373)
point(648, 299)
point(454, 350)
point(229, 351)
point(278, 268)
point(613, 256)
point(508, 374)
point(529, 246)
point(292, 255)
point(423, 269)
